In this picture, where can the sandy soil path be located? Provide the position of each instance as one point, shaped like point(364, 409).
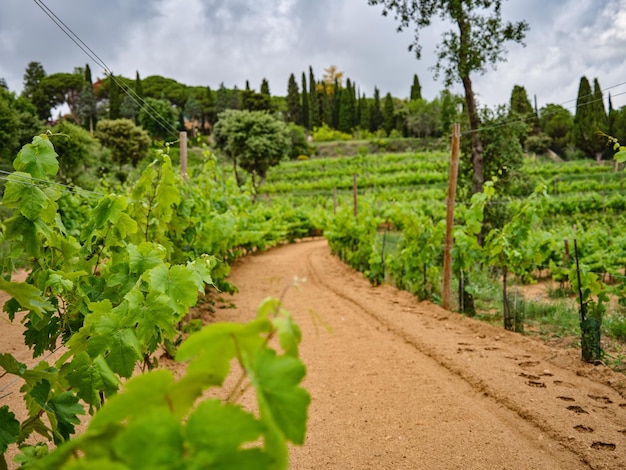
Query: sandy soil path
point(399, 384)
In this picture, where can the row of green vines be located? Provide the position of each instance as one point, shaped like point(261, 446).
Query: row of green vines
point(111, 279)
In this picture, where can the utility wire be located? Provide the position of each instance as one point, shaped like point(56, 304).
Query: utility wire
point(44, 183)
point(153, 113)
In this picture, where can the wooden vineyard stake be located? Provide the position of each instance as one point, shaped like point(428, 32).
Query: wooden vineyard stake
point(447, 254)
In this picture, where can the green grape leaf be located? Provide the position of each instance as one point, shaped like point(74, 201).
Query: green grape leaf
point(29, 297)
point(145, 256)
point(20, 228)
point(107, 336)
point(221, 427)
point(142, 395)
point(152, 441)
point(37, 158)
point(202, 268)
point(65, 410)
point(149, 314)
point(212, 348)
point(12, 365)
point(620, 156)
point(9, 428)
point(124, 352)
point(289, 334)
point(280, 399)
point(40, 393)
point(23, 194)
point(89, 377)
point(177, 283)
point(248, 459)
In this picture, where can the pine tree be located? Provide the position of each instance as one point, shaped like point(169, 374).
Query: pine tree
point(416, 89)
point(294, 109)
point(33, 76)
point(306, 110)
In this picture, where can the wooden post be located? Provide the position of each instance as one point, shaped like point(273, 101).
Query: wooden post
point(183, 154)
point(447, 254)
point(354, 195)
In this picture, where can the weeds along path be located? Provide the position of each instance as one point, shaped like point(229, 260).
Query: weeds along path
point(399, 384)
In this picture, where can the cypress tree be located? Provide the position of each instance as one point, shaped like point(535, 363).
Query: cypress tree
point(388, 114)
point(87, 102)
point(590, 118)
point(365, 117)
point(235, 98)
point(520, 108)
point(335, 103)
point(345, 122)
point(306, 111)
point(115, 100)
point(416, 89)
point(314, 101)
point(138, 86)
point(294, 109)
point(600, 119)
point(376, 114)
point(222, 99)
point(265, 87)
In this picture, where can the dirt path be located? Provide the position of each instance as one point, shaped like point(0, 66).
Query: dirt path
point(399, 384)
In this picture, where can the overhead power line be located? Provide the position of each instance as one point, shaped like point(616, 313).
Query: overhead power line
point(150, 111)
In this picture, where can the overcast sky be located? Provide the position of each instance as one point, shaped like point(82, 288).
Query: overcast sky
point(207, 42)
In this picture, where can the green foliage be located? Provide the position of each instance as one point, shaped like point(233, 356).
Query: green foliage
point(113, 286)
point(34, 92)
point(254, 140)
point(424, 119)
point(77, 150)
point(157, 421)
point(298, 142)
point(162, 127)
point(326, 134)
point(64, 88)
point(558, 124)
point(128, 143)
point(538, 144)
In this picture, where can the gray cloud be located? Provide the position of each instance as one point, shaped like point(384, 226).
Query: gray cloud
point(207, 42)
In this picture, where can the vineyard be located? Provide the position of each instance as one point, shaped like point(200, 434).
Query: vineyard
point(113, 277)
point(394, 233)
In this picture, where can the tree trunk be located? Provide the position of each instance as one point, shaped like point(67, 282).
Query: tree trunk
point(478, 170)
